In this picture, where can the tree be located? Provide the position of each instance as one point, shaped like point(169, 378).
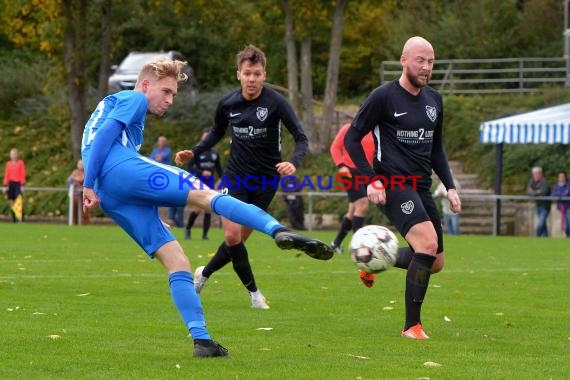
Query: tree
point(292, 67)
point(331, 85)
point(308, 116)
point(106, 23)
point(75, 14)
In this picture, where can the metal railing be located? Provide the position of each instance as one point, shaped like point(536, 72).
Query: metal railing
point(484, 76)
point(492, 199)
point(69, 190)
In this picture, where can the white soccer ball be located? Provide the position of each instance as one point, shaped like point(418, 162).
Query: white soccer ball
point(374, 248)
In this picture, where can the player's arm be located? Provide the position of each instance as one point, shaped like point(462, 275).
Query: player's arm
point(212, 138)
point(294, 127)
point(440, 166)
point(439, 162)
point(337, 146)
point(367, 118)
point(352, 142)
point(101, 145)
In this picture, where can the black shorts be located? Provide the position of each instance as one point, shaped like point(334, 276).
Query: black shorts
point(14, 189)
point(356, 191)
point(252, 193)
point(406, 208)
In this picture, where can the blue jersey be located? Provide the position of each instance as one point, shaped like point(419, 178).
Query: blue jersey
point(128, 107)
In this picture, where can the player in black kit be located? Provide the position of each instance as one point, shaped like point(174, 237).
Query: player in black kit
point(406, 118)
point(205, 165)
point(253, 114)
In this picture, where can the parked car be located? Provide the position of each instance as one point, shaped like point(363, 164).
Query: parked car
point(125, 75)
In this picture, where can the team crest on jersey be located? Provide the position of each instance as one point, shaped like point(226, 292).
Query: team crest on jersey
point(407, 207)
point(261, 113)
point(431, 113)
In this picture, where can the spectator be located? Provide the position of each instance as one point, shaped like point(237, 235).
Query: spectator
point(14, 185)
point(562, 189)
point(76, 179)
point(450, 218)
point(163, 154)
point(538, 187)
point(295, 203)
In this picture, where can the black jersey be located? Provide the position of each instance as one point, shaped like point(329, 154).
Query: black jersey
point(256, 132)
point(407, 131)
point(208, 160)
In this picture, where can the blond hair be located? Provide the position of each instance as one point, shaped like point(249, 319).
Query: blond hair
point(163, 68)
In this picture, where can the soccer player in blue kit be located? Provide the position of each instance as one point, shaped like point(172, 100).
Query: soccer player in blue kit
point(130, 187)
point(406, 118)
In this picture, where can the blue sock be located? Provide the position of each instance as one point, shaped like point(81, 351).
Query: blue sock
point(188, 304)
point(245, 214)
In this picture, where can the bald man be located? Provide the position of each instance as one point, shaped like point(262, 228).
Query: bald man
point(406, 119)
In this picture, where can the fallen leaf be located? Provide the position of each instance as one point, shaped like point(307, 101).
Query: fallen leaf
point(54, 337)
point(359, 357)
point(447, 319)
point(432, 364)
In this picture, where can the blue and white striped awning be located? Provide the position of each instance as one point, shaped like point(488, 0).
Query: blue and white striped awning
point(545, 126)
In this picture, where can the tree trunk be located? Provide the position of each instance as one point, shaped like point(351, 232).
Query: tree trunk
point(307, 93)
point(332, 73)
point(75, 15)
point(106, 20)
point(292, 67)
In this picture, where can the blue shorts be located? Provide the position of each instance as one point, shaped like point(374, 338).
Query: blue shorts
point(131, 193)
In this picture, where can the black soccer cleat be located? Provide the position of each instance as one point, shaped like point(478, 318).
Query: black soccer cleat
point(286, 239)
point(209, 349)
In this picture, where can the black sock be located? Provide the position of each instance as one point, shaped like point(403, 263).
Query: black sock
point(345, 227)
point(357, 223)
point(206, 224)
point(191, 220)
point(417, 280)
point(240, 261)
point(405, 255)
point(220, 259)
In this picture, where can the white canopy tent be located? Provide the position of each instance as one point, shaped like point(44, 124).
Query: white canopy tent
point(544, 126)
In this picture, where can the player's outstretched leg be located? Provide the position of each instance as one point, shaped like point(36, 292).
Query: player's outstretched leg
point(255, 218)
point(287, 239)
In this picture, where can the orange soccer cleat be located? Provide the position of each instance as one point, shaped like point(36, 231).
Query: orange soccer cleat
point(367, 278)
point(415, 332)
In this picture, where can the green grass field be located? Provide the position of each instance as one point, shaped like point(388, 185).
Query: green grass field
point(86, 303)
